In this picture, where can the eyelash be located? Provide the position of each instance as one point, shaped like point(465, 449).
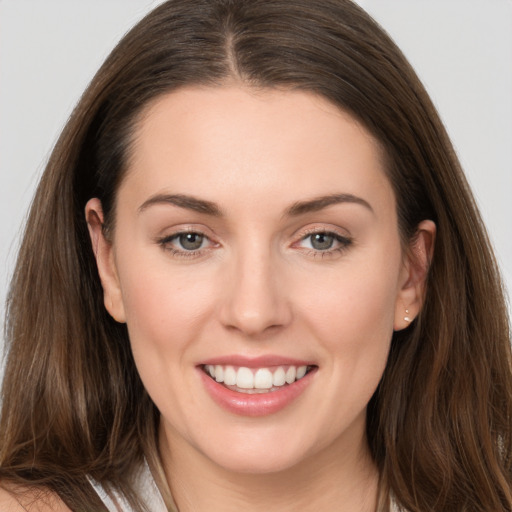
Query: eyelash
point(166, 241)
point(343, 241)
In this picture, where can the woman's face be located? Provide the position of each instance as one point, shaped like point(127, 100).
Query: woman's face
point(255, 239)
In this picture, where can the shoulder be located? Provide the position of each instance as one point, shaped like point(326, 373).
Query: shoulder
point(15, 498)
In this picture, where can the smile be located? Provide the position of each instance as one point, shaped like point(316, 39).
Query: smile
point(256, 387)
point(255, 380)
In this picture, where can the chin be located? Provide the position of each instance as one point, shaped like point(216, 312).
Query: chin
point(260, 453)
point(258, 464)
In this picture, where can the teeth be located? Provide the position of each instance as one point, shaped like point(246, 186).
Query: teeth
point(219, 373)
point(301, 371)
point(244, 378)
point(230, 376)
point(279, 377)
point(291, 373)
point(261, 379)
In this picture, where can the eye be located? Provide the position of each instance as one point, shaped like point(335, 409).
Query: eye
point(190, 241)
point(325, 242)
point(186, 243)
point(322, 241)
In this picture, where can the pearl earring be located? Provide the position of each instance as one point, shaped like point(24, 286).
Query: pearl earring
point(406, 317)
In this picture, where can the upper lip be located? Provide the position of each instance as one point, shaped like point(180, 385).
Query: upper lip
point(263, 361)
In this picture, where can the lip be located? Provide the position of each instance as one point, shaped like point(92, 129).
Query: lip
point(258, 404)
point(265, 361)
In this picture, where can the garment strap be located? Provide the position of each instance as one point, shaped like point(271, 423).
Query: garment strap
point(144, 485)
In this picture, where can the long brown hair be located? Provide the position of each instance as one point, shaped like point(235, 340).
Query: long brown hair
point(439, 425)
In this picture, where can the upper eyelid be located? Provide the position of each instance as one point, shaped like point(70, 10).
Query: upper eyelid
point(298, 235)
point(174, 231)
point(311, 230)
point(341, 238)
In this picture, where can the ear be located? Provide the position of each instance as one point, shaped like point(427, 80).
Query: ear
point(413, 276)
point(105, 260)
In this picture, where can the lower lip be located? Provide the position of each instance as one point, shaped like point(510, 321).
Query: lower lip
point(258, 404)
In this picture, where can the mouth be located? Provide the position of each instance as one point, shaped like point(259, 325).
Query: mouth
point(252, 381)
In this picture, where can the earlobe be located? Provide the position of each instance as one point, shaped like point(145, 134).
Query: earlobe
point(105, 261)
point(414, 275)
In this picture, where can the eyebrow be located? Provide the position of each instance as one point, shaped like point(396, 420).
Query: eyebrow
point(319, 203)
point(209, 208)
point(183, 201)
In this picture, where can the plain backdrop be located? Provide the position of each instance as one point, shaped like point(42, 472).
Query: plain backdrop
point(461, 49)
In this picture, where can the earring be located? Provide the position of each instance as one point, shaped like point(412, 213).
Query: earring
point(406, 317)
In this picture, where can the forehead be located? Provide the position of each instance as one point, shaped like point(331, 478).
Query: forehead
point(235, 142)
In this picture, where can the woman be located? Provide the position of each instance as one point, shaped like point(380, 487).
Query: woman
point(253, 277)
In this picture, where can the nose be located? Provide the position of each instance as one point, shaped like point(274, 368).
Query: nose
point(255, 298)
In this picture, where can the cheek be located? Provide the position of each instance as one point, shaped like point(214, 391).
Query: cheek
point(166, 313)
point(358, 300)
point(165, 310)
point(351, 314)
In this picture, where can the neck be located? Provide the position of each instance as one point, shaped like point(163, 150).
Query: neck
point(340, 477)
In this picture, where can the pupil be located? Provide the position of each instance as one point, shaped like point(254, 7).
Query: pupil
point(322, 241)
point(191, 241)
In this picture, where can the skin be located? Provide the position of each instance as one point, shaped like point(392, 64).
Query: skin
point(259, 286)
point(15, 498)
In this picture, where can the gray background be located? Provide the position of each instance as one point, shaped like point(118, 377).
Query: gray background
point(462, 50)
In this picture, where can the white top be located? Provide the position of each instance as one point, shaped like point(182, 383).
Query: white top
point(145, 487)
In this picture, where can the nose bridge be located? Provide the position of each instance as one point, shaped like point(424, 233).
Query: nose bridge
point(255, 300)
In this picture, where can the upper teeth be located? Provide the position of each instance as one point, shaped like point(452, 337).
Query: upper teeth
point(260, 378)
